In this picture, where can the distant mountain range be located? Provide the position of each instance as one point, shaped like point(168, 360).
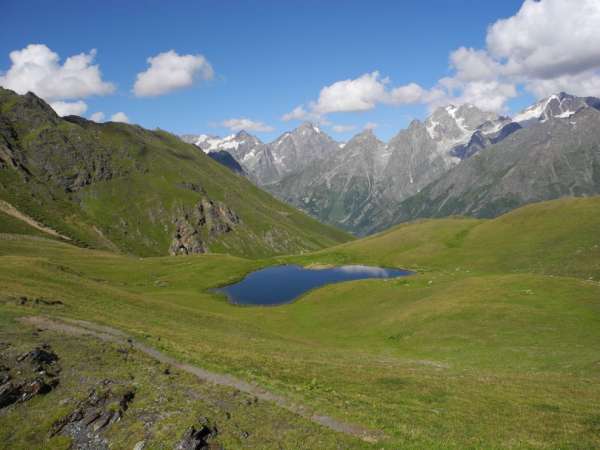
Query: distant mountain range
point(460, 160)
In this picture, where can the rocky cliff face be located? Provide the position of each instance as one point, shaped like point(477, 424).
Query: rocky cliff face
point(34, 140)
point(268, 163)
point(461, 160)
point(424, 151)
point(556, 157)
point(349, 184)
point(340, 188)
point(559, 106)
point(195, 228)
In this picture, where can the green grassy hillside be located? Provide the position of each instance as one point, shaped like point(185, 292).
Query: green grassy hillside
point(493, 343)
point(118, 186)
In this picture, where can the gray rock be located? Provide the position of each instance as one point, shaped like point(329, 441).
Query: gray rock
point(199, 438)
point(338, 189)
point(557, 157)
point(196, 228)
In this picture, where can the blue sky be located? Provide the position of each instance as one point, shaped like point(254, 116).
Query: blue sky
point(268, 57)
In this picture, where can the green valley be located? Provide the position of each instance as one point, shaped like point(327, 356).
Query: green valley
point(491, 344)
point(296, 225)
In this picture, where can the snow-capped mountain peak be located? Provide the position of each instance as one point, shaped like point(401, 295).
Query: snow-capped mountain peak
point(239, 144)
point(557, 106)
point(452, 125)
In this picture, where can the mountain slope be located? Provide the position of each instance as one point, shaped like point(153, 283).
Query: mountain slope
point(268, 163)
point(558, 156)
point(145, 192)
point(558, 237)
point(225, 158)
point(338, 189)
point(348, 185)
point(295, 150)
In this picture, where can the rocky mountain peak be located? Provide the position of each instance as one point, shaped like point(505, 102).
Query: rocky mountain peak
point(365, 138)
point(296, 149)
point(308, 126)
point(556, 106)
point(455, 124)
point(243, 135)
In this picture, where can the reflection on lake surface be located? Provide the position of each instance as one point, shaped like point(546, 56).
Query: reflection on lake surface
point(282, 284)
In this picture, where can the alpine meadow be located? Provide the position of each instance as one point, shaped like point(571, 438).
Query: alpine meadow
point(300, 225)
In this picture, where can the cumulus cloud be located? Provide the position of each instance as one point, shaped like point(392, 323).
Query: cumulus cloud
point(298, 113)
point(38, 69)
point(119, 117)
point(97, 116)
point(169, 71)
point(547, 46)
point(402, 95)
point(488, 95)
point(69, 108)
point(548, 38)
point(583, 84)
point(471, 65)
point(246, 124)
point(358, 94)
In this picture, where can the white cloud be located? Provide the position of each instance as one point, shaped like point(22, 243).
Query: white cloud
point(119, 117)
point(169, 71)
point(370, 126)
point(343, 128)
point(471, 65)
point(548, 38)
point(358, 94)
point(246, 124)
point(583, 84)
point(410, 93)
point(489, 95)
point(547, 46)
point(298, 113)
point(97, 116)
point(69, 108)
point(36, 68)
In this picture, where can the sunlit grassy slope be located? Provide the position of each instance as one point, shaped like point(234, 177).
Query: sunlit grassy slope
point(121, 187)
point(493, 343)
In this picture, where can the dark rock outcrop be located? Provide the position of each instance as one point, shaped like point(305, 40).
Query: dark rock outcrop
point(199, 438)
point(36, 142)
point(195, 228)
point(105, 405)
point(40, 355)
point(33, 373)
point(23, 301)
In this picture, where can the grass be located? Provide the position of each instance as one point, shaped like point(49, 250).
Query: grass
point(132, 188)
point(166, 403)
point(491, 344)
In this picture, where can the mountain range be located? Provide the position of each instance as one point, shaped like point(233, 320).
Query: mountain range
point(458, 161)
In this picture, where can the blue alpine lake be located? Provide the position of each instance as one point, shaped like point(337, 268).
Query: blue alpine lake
point(282, 284)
